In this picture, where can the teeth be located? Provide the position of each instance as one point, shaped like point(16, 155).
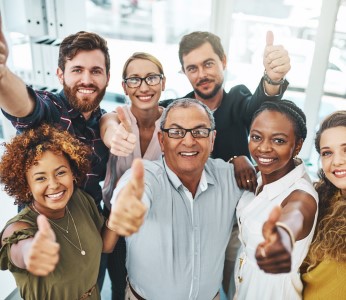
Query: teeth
point(144, 98)
point(265, 160)
point(86, 91)
point(54, 196)
point(340, 173)
point(188, 153)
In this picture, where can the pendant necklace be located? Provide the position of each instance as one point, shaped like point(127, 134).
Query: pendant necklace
point(80, 248)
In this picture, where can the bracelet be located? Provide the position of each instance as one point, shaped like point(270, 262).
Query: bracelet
point(272, 82)
point(232, 158)
point(110, 228)
point(288, 230)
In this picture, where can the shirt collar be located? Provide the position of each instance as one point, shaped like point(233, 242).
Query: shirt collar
point(272, 190)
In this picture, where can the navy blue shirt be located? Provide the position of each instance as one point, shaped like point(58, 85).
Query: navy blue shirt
point(54, 108)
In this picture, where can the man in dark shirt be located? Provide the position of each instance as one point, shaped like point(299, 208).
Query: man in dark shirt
point(203, 61)
point(83, 70)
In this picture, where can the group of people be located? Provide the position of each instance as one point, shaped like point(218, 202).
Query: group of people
point(185, 211)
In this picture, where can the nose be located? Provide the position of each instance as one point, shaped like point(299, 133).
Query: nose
point(202, 73)
point(54, 183)
point(339, 159)
point(188, 139)
point(86, 77)
point(144, 86)
point(264, 147)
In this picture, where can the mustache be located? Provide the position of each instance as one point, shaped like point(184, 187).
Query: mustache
point(86, 86)
point(206, 80)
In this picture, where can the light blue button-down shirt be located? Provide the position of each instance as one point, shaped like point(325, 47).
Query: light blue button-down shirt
point(179, 251)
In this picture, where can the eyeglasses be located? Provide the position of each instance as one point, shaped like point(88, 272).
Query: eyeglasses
point(134, 82)
point(179, 133)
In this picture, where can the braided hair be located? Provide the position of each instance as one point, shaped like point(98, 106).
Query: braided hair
point(291, 111)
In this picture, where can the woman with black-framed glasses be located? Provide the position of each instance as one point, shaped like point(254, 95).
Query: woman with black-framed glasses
point(133, 134)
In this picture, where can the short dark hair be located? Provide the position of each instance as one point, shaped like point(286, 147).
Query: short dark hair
point(80, 41)
point(185, 103)
point(291, 111)
point(196, 39)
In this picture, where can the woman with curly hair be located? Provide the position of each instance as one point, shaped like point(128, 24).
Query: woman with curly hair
point(53, 246)
point(325, 265)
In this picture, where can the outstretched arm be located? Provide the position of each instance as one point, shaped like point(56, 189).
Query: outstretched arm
point(40, 254)
point(284, 226)
point(116, 133)
point(128, 212)
point(14, 97)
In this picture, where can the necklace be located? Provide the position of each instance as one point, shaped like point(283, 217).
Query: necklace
point(52, 222)
point(80, 248)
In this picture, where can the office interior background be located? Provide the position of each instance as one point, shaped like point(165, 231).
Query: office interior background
point(313, 32)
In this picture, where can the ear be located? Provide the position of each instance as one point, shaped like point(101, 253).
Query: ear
point(124, 88)
point(60, 75)
point(182, 69)
point(163, 84)
point(108, 77)
point(224, 62)
point(213, 135)
point(299, 146)
point(160, 137)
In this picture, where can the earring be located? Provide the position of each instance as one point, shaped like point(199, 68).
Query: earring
point(28, 195)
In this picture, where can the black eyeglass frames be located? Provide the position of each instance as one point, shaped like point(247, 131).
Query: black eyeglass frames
point(134, 82)
point(179, 133)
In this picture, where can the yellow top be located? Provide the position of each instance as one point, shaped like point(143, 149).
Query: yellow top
point(326, 281)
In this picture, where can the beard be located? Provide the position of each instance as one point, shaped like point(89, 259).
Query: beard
point(83, 104)
point(209, 95)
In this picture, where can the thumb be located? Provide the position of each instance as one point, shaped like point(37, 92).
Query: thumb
point(269, 227)
point(137, 179)
point(270, 38)
point(44, 227)
point(122, 118)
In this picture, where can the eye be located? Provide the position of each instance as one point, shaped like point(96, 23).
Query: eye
point(97, 72)
point(40, 178)
point(255, 137)
point(279, 141)
point(209, 64)
point(191, 69)
point(326, 153)
point(61, 173)
point(76, 70)
point(176, 132)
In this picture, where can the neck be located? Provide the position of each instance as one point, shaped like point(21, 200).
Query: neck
point(146, 118)
point(52, 214)
point(190, 183)
point(214, 102)
point(87, 115)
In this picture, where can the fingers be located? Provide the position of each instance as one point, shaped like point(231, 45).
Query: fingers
point(270, 38)
point(128, 212)
point(269, 229)
point(123, 143)
point(123, 120)
point(43, 255)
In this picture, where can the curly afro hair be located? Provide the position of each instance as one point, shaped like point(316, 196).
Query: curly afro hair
point(25, 149)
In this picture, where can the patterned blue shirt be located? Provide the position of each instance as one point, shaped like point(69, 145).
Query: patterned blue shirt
point(54, 108)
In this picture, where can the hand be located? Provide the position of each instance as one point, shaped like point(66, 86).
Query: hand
point(128, 212)
point(3, 51)
point(274, 254)
point(124, 141)
point(43, 254)
point(245, 173)
point(275, 59)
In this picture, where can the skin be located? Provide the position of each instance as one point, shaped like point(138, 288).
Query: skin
point(186, 157)
point(333, 156)
point(85, 80)
point(273, 145)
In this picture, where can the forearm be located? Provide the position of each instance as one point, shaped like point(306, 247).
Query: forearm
point(14, 97)
point(108, 124)
point(19, 250)
point(109, 238)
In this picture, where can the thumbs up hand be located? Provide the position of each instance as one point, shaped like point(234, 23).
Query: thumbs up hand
point(128, 212)
point(274, 254)
point(276, 60)
point(123, 141)
point(42, 255)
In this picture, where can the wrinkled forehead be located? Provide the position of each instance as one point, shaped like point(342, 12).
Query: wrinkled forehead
point(188, 117)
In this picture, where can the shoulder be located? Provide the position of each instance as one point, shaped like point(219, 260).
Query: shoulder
point(13, 227)
point(238, 90)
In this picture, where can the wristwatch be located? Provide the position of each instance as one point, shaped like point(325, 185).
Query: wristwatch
point(272, 82)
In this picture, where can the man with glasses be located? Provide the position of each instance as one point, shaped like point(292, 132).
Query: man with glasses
point(185, 217)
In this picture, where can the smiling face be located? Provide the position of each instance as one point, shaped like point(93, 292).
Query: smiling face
point(204, 69)
point(333, 156)
point(145, 96)
point(186, 157)
point(85, 80)
point(273, 144)
point(50, 181)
